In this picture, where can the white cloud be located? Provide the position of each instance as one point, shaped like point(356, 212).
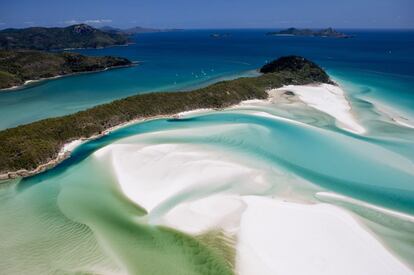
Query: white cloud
point(97, 21)
point(89, 21)
point(71, 22)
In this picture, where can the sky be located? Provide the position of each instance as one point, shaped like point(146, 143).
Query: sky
point(198, 14)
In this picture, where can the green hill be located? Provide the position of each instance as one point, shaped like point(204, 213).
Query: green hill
point(76, 36)
point(298, 65)
point(17, 66)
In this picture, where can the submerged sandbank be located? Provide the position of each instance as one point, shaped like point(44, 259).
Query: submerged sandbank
point(276, 217)
point(195, 190)
point(278, 224)
point(394, 115)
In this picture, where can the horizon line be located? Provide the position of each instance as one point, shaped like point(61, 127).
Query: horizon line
point(212, 28)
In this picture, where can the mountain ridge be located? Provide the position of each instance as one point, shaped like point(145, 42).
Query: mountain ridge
point(74, 36)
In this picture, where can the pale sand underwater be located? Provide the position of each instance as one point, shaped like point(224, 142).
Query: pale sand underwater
point(279, 225)
point(258, 188)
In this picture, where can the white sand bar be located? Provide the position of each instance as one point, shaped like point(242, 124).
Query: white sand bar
point(273, 236)
point(279, 237)
point(195, 188)
point(151, 175)
point(329, 99)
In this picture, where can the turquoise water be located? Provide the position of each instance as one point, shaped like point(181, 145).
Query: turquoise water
point(75, 218)
point(370, 178)
point(79, 208)
point(181, 60)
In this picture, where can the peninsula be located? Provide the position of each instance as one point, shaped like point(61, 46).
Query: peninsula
point(75, 36)
point(329, 32)
point(19, 66)
point(32, 148)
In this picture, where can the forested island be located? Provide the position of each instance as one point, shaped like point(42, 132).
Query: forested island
point(75, 36)
point(329, 32)
point(31, 148)
point(19, 66)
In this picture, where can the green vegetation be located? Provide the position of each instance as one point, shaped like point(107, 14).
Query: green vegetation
point(17, 66)
point(28, 146)
point(329, 32)
point(76, 36)
point(297, 65)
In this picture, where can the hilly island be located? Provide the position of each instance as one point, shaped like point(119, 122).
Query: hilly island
point(328, 32)
point(25, 54)
point(32, 148)
point(75, 36)
point(19, 66)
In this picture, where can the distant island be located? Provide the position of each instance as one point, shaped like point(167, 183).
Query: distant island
point(19, 66)
point(329, 32)
point(32, 148)
point(75, 36)
point(135, 30)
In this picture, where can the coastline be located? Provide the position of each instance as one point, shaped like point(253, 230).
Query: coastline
point(68, 148)
point(240, 215)
point(98, 48)
point(318, 96)
point(30, 82)
point(328, 99)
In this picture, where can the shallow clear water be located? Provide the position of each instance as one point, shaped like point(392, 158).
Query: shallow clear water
point(75, 217)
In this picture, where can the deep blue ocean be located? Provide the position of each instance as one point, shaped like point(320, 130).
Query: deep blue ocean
point(379, 62)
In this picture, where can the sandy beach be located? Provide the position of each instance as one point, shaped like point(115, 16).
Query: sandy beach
point(329, 99)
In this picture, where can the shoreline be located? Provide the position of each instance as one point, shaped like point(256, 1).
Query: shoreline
point(329, 99)
point(98, 48)
point(30, 82)
point(68, 147)
point(320, 105)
